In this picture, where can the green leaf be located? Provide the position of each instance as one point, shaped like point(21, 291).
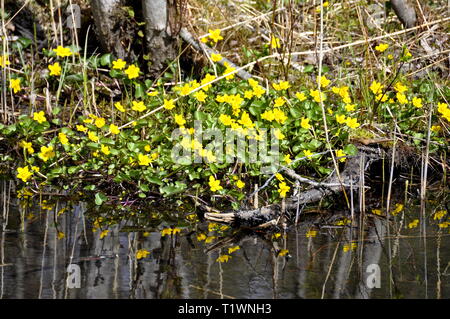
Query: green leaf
point(106, 59)
point(100, 198)
point(351, 150)
point(139, 91)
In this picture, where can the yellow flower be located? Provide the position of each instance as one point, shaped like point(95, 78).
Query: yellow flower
point(179, 119)
point(216, 57)
point(398, 209)
point(229, 71)
point(352, 122)
point(240, 184)
point(382, 47)
point(105, 149)
point(39, 117)
point(119, 107)
point(317, 96)
point(287, 159)
point(62, 52)
point(301, 96)
point(104, 233)
point(413, 224)
point(215, 35)
point(14, 84)
point(283, 252)
point(223, 258)
point(279, 177)
point(439, 214)
point(341, 119)
point(141, 253)
point(132, 72)
point(24, 173)
point(435, 128)
point(275, 42)
point(248, 94)
point(376, 87)
point(323, 81)
point(92, 136)
point(27, 146)
point(278, 134)
point(402, 99)
point(169, 104)
point(4, 61)
point(233, 249)
point(119, 64)
point(152, 93)
point(138, 106)
point(63, 138)
point(377, 212)
point(307, 153)
point(417, 102)
point(280, 101)
point(99, 122)
point(176, 230)
point(207, 79)
point(55, 69)
point(311, 233)
point(214, 184)
point(114, 129)
point(381, 97)
point(407, 54)
point(144, 160)
point(246, 121)
point(200, 96)
point(268, 115)
point(341, 153)
point(61, 235)
point(305, 123)
point(201, 237)
point(226, 119)
point(283, 189)
point(279, 116)
point(166, 231)
point(46, 153)
point(282, 85)
point(399, 87)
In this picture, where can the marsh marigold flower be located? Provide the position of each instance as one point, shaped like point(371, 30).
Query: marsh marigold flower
point(24, 173)
point(14, 84)
point(138, 106)
point(142, 253)
point(46, 153)
point(214, 184)
point(169, 104)
point(144, 160)
point(39, 117)
point(62, 51)
point(63, 138)
point(114, 129)
point(55, 69)
point(216, 57)
point(283, 189)
point(119, 64)
point(215, 35)
point(382, 47)
point(275, 42)
point(132, 72)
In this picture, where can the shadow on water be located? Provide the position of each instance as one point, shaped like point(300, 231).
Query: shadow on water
point(38, 243)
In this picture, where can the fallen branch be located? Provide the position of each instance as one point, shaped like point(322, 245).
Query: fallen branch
point(269, 215)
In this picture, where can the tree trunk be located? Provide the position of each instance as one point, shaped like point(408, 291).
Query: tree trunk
point(107, 20)
point(405, 12)
point(160, 37)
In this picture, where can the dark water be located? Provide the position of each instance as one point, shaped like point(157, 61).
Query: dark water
point(412, 263)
